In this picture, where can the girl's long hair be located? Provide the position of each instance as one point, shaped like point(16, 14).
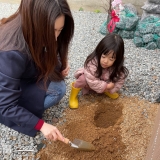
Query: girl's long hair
point(31, 29)
point(111, 42)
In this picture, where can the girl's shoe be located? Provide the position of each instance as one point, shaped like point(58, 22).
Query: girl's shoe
point(112, 95)
point(73, 99)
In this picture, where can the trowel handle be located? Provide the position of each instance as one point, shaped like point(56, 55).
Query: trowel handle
point(66, 140)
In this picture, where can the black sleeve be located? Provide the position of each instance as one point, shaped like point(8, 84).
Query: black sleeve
point(12, 66)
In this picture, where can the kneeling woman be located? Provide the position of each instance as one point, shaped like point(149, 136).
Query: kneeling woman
point(33, 63)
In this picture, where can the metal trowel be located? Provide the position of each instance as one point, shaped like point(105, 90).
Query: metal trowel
point(80, 144)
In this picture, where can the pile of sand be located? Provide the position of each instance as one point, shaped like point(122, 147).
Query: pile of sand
point(119, 129)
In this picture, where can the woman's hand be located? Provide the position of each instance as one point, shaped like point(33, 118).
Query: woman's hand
point(51, 132)
point(65, 71)
point(110, 86)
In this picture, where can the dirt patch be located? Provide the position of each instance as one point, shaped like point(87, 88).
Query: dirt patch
point(119, 129)
point(107, 114)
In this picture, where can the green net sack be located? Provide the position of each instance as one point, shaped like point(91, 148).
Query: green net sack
point(139, 41)
point(138, 34)
point(128, 20)
point(126, 34)
point(157, 29)
point(103, 28)
point(151, 46)
point(147, 38)
point(158, 43)
point(147, 33)
point(116, 30)
point(145, 28)
point(127, 24)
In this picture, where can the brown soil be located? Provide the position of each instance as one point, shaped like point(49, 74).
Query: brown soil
point(119, 129)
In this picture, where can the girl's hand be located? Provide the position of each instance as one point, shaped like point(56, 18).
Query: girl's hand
point(65, 71)
point(51, 132)
point(110, 86)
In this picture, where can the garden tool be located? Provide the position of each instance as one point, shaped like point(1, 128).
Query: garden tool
point(112, 95)
point(80, 144)
point(73, 99)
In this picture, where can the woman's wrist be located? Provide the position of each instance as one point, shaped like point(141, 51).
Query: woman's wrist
point(39, 125)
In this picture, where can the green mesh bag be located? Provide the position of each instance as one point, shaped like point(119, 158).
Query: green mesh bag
point(146, 28)
point(128, 20)
point(126, 34)
point(147, 38)
point(155, 37)
point(116, 30)
point(157, 28)
point(158, 43)
point(157, 31)
point(139, 41)
point(103, 28)
point(131, 23)
point(147, 33)
point(126, 26)
point(151, 46)
point(138, 34)
point(121, 24)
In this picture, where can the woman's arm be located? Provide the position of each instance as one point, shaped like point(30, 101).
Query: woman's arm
point(51, 132)
point(12, 66)
point(65, 72)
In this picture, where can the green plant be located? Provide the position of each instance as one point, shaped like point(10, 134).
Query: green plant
point(81, 9)
point(97, 11)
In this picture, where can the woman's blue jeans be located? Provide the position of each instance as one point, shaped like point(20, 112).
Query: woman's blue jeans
point(55, 92)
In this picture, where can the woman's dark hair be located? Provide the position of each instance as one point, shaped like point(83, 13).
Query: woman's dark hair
point(111, 42)
point(31, 29)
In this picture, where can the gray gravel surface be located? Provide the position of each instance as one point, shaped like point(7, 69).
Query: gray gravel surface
point(143, 80)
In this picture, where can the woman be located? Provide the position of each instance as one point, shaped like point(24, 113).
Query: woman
point(33, 63)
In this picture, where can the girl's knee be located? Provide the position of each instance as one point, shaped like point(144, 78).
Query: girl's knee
point(80, 82)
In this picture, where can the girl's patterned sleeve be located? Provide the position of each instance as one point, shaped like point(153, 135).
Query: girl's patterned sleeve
point(118, 85)
point(94, 83)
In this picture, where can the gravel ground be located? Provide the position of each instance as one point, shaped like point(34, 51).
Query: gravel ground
point(143, 80)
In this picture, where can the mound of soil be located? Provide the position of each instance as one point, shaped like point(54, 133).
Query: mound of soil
point(105, 123)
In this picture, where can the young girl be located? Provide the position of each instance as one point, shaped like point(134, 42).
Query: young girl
point(103, 70)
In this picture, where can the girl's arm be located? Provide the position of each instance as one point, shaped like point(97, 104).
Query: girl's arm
point(117, 86)
point(109, 86)
point(94, 83)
